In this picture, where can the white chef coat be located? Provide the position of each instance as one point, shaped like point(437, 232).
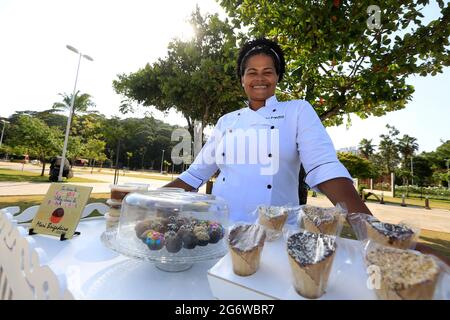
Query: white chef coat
point(301, 138)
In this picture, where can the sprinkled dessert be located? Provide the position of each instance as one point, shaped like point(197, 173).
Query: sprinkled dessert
point(215, 231)
point(189, 232)
point(173, 241)
point(154, 240)
point(388, 234)
point(405, 274)
point(201, 232)
point(311, 257)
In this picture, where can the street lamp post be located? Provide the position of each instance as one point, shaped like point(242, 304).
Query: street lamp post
point(3, 131)
point(162, 161)
point(412, 171)
point(69, 119)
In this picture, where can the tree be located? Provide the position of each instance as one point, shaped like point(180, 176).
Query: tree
point(366, 148)
point(36, 138)
point(197, 78)
point(80, 105)
point(422, 171)
point(407, 145)
point(358, 167)
point(388, 150)
point(338, 62)
point(75, 147)
point(94, 151)
point(129, 156)
point(438, 161)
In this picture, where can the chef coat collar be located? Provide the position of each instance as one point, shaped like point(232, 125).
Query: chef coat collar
point(269, 102)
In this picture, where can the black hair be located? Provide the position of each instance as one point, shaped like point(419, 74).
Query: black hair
point(258, 46)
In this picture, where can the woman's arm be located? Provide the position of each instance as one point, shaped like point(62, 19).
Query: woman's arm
point(341, 190)
point(178, 183)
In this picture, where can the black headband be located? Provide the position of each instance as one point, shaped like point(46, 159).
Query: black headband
point(259, 47)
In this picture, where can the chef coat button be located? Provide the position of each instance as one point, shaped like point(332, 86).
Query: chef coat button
point(269, 186)
point(230, 131)
point(274, 110)
point(239, 114)
point(270, 155)
point(223, 179)
point(272, 127)
point(223, 154)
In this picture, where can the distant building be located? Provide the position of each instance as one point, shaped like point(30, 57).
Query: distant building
point(352, 150)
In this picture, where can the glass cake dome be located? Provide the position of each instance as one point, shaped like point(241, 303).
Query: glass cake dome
point(170, 228)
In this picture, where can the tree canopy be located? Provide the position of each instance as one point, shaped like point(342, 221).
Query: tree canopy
point(339, 64)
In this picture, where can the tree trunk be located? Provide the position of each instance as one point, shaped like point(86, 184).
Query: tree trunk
point(142, 161)
point(43, 166)
point(190, 125)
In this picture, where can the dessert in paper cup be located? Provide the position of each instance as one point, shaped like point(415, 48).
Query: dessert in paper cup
point(246, 243)
point(322, 220)
point(273, 219)
point(398, 274)
point(311, 257)
point(401, 236)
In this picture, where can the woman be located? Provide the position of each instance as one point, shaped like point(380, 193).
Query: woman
point(290, 132)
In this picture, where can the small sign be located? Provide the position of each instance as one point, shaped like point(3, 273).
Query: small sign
point(60, 212)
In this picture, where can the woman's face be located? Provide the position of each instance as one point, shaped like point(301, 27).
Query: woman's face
point(259, 79)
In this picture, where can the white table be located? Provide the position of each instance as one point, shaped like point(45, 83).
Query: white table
point(83, 268)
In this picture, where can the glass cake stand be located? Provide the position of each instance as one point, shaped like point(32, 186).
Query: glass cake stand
point(163, 260)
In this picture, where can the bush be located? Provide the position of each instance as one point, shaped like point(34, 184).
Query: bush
point(361, 187)
point(437, 193)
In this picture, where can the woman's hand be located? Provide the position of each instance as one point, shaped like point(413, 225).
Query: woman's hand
point(341, 190)
point(178, 183)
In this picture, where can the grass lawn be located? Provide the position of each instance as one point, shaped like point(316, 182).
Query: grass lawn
point(411, 202)
point(438, 204)
point(7, 175)
point(439, 241)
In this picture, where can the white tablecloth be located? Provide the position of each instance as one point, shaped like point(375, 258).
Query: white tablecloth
point(96, 272)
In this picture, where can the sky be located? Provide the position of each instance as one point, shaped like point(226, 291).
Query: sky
point(123, 35)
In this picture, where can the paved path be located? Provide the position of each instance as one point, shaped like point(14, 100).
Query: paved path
point(435, 219)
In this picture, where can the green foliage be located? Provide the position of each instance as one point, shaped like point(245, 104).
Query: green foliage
point(339, 64)
point(388, 150)
point(32, 136)
point(80, 105)
point(366, 148)
point(357, 166)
